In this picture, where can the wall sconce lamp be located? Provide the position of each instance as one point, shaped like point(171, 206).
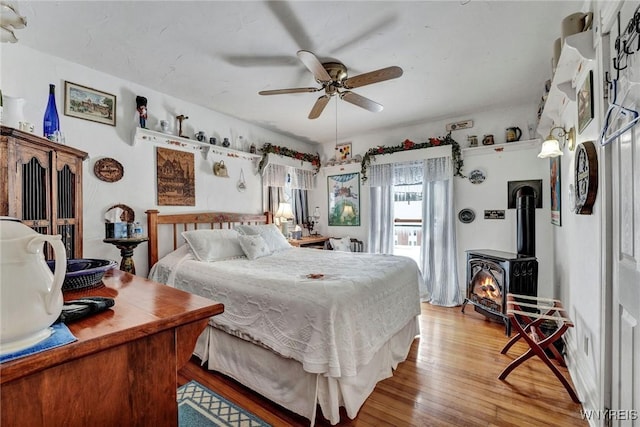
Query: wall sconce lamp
point(10, 20)
point(551, 146)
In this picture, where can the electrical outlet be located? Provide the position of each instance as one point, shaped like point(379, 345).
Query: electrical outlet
point(466, 124)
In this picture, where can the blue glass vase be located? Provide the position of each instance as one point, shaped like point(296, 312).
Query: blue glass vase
point(51, 122)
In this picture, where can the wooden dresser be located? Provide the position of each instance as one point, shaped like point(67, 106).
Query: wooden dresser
point(123, 368)
point(41, 184)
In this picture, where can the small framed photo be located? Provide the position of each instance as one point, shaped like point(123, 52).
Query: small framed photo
point(89, 104)
point(343, 152)
point(554, 181)
point(585, 102)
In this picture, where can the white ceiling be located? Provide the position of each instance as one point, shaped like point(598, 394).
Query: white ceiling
point(458, 57)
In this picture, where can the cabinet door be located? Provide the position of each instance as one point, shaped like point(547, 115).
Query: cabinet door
point(32, 194)
point(67, 202)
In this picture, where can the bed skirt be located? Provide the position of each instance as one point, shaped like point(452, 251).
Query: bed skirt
point(284, 381)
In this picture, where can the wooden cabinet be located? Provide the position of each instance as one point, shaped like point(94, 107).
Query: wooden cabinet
point(122, 370)
point(41, 184)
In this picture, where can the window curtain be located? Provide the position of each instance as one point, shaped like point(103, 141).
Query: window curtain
point(438, 254)
point(300, 206)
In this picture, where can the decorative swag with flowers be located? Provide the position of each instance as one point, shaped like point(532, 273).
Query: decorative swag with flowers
point(267, 148)
point(410, 145)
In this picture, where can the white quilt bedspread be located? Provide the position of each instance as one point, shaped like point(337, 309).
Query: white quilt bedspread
point(332, 325)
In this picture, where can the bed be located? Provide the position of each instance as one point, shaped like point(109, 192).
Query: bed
point(303, 327)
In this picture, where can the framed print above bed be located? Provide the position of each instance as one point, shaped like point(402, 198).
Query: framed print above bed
point(176, 181)
point(344, 199)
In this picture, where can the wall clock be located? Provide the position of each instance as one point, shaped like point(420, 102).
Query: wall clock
point(586, 177)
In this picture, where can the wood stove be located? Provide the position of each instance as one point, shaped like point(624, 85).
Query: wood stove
point(492, 274)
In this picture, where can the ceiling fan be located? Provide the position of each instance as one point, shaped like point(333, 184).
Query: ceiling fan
point(335, 81)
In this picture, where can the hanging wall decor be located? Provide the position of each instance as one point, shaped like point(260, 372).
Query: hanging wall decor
point(176, 180)
point(585, 102)
point(554, 182)
point(344, 199)
point(89, 104)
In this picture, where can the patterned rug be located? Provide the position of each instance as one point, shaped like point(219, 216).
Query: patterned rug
point(200, 407)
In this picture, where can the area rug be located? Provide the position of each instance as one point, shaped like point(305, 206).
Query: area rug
point(200, 407)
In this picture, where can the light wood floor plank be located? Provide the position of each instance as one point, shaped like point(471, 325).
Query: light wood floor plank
point(450, 378)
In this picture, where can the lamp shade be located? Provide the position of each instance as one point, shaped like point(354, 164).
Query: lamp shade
point(284, 211)
point(550, 148)
point(347, 211)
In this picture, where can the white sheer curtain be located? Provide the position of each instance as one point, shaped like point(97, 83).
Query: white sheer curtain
point(438, 249)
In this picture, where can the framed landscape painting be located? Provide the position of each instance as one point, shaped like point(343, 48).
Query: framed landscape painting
point(344, 199)
point(89, 104)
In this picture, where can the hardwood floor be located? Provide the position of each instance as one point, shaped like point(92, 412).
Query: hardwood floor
point(450, 378)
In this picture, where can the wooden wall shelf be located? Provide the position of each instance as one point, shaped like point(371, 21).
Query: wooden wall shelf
point(507, 146)
point(146, 136)
point(573, 64)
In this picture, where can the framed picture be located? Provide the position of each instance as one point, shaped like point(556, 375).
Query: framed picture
point(89, 104)
point(176, 180)
point(554, 182)
point(344, 199)
point(585, 102)
point(343, 152)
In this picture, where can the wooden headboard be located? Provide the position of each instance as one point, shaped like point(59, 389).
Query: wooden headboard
point(191, 221)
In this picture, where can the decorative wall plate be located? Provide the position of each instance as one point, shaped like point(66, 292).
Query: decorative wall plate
point(477, 176)
point(466, 215)
point(108, 169)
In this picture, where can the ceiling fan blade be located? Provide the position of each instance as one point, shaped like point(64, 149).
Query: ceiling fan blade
point(373, 77)
point(314, 65)
point(292, 90)
point(317, 108)
point(361, 101)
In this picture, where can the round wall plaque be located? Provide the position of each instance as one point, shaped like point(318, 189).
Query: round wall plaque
point(466, 216)
point(477, 176)
point(586, 177)
point(108, 169)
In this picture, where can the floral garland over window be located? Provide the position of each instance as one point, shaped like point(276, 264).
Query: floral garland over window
point(410, 145)
point(267, 148)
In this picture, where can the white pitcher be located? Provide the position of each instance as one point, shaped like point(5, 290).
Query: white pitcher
point(12, 110)
point(30, 295)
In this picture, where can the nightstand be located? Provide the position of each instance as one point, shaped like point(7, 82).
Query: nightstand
point(310, 242)
point(126, 247)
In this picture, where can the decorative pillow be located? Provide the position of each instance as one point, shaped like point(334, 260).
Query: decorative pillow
point(343, 244)
point(254, 246)
point(213, 245)
point(269, 232)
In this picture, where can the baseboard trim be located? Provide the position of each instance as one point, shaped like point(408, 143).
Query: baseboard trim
point(586, 386)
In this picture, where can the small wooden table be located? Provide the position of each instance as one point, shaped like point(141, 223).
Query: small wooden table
point(310, 241)
point(127, 247)
point(123, 368)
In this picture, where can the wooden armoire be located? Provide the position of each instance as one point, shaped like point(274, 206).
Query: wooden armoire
point(41, 184)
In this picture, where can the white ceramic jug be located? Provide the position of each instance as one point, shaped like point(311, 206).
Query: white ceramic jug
point(12, 111)
point(30, 295)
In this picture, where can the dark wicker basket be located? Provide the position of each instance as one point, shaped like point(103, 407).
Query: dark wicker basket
point(84, 273)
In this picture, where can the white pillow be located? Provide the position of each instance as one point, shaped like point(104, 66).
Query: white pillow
point(254, 246)
point(343, 244)
point(213, 245)
point(269, 232)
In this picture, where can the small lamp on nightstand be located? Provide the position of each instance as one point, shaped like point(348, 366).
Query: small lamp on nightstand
point(284, 214)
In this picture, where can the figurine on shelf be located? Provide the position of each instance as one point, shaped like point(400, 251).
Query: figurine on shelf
point(180, 118)
point(141, 105)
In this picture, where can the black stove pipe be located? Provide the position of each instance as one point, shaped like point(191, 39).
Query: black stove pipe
point(526, 221)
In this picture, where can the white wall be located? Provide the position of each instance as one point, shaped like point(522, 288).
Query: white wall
point(27, 73)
